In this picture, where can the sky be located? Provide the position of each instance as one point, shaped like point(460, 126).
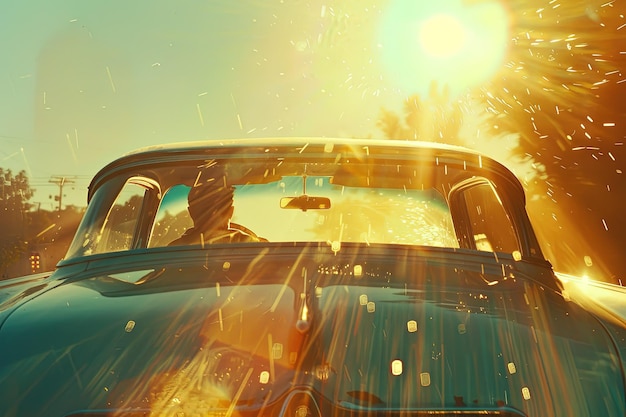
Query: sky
point(84, 82)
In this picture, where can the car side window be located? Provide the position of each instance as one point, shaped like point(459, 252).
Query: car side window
point(119, 217)
point(119, 229)
point(172, 218)
point(490, 227)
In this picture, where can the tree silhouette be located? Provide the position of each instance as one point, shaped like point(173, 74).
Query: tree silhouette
point(560, 93)
point(15, 192)
point(434, 118)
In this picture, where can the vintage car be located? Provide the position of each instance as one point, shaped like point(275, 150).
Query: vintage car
point(308, 278)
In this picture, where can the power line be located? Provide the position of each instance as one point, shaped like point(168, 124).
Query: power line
point(61, 182)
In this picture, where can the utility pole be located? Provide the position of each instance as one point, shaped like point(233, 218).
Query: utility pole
point(60, 181)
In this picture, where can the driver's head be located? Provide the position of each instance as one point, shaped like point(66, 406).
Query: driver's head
point(211, 202)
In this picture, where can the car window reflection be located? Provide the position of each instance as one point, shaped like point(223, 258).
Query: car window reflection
point(357, 214)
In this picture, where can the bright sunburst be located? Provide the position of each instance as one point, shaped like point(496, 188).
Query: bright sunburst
point(450, 42)
point(442, 35)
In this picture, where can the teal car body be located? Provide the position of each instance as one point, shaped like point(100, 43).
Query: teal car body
point(418, 288)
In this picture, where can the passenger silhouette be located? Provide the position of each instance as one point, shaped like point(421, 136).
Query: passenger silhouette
point(210, 206)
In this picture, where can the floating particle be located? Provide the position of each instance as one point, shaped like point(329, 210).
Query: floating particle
point(200, 114)
point(396, 367)
point(371, 307)
point(435, 353)
point(363, 299)
point(511, 367)
point(411, 326)
point(425, 379)
point(526, 393)
point(303, 411)
point(264, 377)
point(129, 326)
point(322, 372)
point(277, 350)
point(110, 79)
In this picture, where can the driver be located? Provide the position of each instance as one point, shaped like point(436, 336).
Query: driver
point(210, 205)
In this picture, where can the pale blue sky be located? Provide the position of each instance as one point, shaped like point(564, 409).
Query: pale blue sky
point(84, 82)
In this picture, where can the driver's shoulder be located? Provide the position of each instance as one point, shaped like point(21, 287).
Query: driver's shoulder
point(235, 236)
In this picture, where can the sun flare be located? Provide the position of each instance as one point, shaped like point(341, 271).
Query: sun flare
point(442, 35)
point(449, 42)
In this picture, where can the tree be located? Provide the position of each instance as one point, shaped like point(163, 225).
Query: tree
point(15, 192)
point(562, 94)
point(574, 186)
point(435, 118)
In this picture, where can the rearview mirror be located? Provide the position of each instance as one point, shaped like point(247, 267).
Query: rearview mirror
point(305, 202)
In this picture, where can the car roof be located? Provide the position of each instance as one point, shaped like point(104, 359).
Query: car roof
point(371, 149)
point(294, 141)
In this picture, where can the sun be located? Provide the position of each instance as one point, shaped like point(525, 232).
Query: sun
point(442, 35)
point(453, 43)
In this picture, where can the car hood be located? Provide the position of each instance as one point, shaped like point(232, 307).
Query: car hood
point(336, 334)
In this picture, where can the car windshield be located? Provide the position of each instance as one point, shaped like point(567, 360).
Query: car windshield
point(305, 200)
point(355, 214)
